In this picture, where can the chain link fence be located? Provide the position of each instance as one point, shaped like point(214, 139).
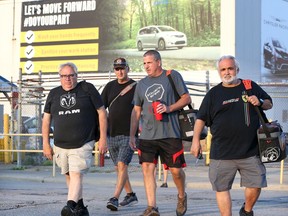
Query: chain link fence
point(279, 112)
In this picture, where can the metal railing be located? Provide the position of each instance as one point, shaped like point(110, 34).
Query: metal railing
point(97, 154)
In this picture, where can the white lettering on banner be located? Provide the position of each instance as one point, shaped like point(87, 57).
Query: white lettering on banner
point(59, 12)
point(32, 9)
point(56, 8)
point(78, 6)
point(52, 8)
point(61, 19)
point(69, 112)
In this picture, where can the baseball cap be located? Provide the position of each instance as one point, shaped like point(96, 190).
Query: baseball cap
point(120, 63)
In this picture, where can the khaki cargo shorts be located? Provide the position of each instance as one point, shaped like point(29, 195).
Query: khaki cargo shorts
point(75, 160)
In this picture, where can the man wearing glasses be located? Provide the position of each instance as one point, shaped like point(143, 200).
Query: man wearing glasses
point(78, 114)
point(117, 97)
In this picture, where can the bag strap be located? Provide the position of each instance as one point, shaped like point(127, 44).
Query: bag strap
point(177, 96)
point(84, 86)
point(262, 116)
point(123, 92)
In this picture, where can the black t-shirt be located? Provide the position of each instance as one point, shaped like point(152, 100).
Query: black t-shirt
point(233, 121)
point(74, 114)
point(120, 110)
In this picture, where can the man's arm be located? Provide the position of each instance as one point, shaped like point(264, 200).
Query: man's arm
point(264, 104)
point(184, 100)
point(103, 129)
point(135, 118)
point(196, 147)
point(47, 149)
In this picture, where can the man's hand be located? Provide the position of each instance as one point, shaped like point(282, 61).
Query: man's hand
point(132, 143)
point(253, 100)
point(102, 146)
point(196, 148)
point(48, 151)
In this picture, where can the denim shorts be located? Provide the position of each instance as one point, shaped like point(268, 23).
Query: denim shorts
point(75, 160)
point(120, 150)
point(222, 173)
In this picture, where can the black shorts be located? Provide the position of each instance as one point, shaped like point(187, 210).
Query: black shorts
point(170, 150)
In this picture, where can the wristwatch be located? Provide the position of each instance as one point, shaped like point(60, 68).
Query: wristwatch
point(261, 102)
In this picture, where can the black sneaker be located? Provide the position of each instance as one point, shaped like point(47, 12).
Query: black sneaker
point(164, 185)
point(69, 211)
point(129, 200)
point(83, 211)
point(242, 211)
point(112, 204)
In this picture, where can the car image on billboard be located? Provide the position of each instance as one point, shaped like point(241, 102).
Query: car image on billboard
point(275, 56)
point(160, 37)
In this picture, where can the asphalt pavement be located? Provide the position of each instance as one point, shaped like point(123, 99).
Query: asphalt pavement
point(35, 192)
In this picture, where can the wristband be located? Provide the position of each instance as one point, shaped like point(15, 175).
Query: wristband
point(261, 102)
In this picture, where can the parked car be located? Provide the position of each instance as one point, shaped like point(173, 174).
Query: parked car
point(275, 56)
point(33, 126)
point(160, 37)
point(30, 125)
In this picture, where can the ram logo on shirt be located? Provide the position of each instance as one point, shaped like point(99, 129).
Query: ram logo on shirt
point(68, 100)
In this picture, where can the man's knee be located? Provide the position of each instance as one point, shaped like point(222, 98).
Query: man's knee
point(177, 173)
point(121, 166)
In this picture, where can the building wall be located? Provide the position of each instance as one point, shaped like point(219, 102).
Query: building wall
point(10, 16)
point(240, 35)
point(227, 35)
point(248, 38)
point(10, 38)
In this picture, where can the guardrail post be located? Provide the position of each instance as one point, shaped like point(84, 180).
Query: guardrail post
point(281, 172)
point(7, 155)
point(208, 146)
point(19, 119)
point(96, 154)
point(99, 158)
point(159, 169)
point(207, 81)
point(54, 166)
point(102, 157)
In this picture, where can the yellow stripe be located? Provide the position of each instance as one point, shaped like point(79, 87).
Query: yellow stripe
point(59, 50)
point(52, 66)
point(60, 35)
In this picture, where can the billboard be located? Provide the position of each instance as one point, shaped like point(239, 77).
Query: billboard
point(93, 33)
point(274, 41)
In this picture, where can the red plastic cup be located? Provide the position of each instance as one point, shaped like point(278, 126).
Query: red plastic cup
point(158, 116)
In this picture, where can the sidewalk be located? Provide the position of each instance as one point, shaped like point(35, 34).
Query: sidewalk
point(23, 189)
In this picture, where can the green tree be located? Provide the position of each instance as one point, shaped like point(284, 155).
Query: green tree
point(198, 19)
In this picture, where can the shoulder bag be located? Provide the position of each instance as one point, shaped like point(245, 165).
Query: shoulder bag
point(186, 117)
point(271, 139)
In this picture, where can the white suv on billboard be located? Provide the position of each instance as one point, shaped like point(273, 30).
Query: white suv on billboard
point(160, 37)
